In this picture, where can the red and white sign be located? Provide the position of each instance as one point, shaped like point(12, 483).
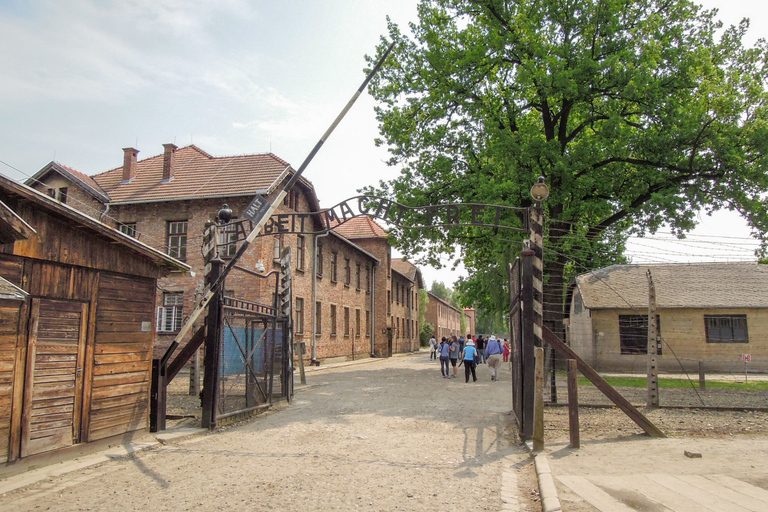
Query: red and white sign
point(747, 358)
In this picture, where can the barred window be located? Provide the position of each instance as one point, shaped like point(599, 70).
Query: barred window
point(171, 314)
point(726, 328)
point(333, 319)
point(633, 334)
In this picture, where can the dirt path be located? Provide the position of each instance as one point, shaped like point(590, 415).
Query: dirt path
point(382, 436)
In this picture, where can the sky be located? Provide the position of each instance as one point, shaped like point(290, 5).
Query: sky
point(82, 79)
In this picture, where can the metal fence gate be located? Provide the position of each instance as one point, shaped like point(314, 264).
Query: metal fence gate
point(516, 339)
point(251, 364)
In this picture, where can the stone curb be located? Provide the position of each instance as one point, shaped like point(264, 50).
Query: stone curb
point(550, 502)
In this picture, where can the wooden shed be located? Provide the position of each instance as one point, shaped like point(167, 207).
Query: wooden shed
point(77, 326)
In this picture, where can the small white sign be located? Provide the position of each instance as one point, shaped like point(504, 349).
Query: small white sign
point(747, 358)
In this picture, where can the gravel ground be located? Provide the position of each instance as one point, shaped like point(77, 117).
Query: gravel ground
point(385, 435)
point(381, 436)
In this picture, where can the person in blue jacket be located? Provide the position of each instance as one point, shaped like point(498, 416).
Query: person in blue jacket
point(445, 350)
point(468, 355)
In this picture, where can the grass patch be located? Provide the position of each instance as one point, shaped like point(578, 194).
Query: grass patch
point(640, 382)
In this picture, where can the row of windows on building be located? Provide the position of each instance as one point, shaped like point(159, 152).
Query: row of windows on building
point(633, 331)
point(175, 237)
point(351, 326)
point(171, 313)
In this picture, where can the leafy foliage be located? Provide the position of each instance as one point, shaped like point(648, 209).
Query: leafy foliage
point(638, 113)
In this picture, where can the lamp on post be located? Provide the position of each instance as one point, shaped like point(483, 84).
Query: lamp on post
point(540, 191)
point(225, 215)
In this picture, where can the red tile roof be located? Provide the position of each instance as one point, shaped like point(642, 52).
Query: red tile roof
point(85, 181)
point(84, 178)
point(196, 174)
point(406, 268)
point(361, 227)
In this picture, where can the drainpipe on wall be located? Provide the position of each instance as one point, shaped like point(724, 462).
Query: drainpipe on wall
point(314, 298)
point(373, 309)
point(410, 317)
point(106, 209)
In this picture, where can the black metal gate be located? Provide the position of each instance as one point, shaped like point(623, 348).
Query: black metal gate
point(521, 329)
point(516, 334)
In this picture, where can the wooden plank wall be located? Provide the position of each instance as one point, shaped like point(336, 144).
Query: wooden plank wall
point(64, 241)
point(9, 321)
point(122, 361)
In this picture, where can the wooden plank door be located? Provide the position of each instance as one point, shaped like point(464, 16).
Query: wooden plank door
point(54, 375)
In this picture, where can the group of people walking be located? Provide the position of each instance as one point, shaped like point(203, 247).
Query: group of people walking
point(470, 352)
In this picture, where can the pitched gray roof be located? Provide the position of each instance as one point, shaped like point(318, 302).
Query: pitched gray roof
point(681, 285)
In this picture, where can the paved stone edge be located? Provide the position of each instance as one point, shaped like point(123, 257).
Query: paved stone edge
point(550, 502)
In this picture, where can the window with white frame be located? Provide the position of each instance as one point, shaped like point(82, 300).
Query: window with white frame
point(299, 319)
point(227, 241)
point(128, 228)
point(301, 249)
point(277, 247)
point(171, 314)
point(177, 239)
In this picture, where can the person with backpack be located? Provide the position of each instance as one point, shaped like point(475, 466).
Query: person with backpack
point(493, 353)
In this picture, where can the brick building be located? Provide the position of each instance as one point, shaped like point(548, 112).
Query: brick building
point(396, 284)
point(469, 316)
point(444, 317)
point(343, 286)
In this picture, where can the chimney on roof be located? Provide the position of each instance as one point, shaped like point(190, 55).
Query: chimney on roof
point(129, 164)
point(168, 158)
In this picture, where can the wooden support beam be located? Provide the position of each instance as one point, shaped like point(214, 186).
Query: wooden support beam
point(186, 353)
point(573, 403)
point(600, 383)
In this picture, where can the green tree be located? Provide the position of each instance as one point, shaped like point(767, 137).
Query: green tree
point(441, 291)
point(638, 113)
